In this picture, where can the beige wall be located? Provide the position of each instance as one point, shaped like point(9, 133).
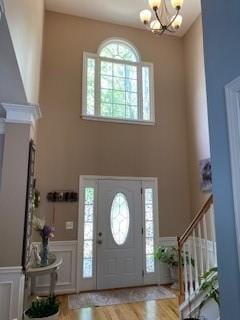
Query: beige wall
point(25, 19)
point(13, 193)
point(69, 146)
point(198, 135)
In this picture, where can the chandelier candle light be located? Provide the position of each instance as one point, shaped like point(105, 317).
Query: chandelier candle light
point(164, 20)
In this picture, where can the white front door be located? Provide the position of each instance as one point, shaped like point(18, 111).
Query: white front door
point(119, 234)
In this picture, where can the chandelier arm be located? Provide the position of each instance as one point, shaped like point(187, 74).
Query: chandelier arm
point(158, 18)
point(171, 22)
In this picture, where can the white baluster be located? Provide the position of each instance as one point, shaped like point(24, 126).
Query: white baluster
point(200, 249)
point(190, 265)
point(213, 235)
point(185, 272)
point(205, 233)
point(195, 260)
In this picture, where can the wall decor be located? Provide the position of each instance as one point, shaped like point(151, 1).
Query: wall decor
point(206, 175)
point(26, 255)
point(62, 196)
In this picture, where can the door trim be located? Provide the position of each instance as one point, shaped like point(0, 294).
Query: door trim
point(232, 92)
point(92, 181)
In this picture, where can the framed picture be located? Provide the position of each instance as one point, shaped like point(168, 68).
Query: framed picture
point(29, 207)
point(206, 175)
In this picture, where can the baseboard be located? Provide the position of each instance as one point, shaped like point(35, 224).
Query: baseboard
point(11, 292)
point(67, 274)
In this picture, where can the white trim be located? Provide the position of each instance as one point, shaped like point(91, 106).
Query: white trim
point(91, 180)
point(127, 121)
point(232, 92)
point(168, 241)
point(12, 292)
point(13, 270)
point(16, 113)
point(67, 274)
point(2, 125)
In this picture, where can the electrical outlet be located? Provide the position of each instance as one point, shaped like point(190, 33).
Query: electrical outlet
point(69, 225)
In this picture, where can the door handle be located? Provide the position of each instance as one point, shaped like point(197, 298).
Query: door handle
point(99, 241)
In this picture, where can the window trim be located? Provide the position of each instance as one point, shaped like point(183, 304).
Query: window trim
point(97, 117)
point(121, 41)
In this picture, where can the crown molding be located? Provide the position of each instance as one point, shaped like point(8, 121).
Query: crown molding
point(16, 113)
point(2, 125)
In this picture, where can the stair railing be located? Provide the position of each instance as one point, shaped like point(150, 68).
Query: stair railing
point(197, 251)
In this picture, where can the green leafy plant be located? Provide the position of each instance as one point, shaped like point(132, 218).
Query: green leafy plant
point(169, 255)
point(210, 287)
point(43, 307)
point(36, 199)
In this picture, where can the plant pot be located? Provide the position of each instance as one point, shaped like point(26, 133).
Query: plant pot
point(53, 317)
point(174, 277)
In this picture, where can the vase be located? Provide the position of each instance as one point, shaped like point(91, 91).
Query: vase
point(44, 252)
point(174, 276)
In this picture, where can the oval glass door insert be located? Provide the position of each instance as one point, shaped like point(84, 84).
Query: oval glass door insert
point(120, 218)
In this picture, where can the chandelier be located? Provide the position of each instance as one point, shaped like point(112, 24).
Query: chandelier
point(164, 21)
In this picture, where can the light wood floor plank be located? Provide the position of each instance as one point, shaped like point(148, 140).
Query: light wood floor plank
point(150, 310)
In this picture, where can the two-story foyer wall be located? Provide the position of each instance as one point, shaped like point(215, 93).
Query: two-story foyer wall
point(69, 146)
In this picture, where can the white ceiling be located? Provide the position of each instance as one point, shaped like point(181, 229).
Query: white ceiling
point(124, 12)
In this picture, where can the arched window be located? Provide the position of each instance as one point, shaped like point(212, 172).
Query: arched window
point(117, 85)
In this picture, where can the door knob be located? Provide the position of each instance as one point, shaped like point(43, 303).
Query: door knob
point(99, 241)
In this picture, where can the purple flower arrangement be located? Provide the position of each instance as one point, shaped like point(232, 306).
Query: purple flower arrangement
point(45, 232)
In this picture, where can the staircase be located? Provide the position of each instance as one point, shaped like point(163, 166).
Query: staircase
point(197, 255)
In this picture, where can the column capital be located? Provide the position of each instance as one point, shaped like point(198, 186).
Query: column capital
point(16, 113)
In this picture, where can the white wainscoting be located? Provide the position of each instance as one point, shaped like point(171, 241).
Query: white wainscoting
point(67, 282)
point(11, 293)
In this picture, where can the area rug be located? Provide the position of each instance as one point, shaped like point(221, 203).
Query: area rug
point(119, 296)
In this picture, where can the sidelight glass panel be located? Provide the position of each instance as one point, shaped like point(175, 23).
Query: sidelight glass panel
point(146, 93)
point(88, 232)
point(90, 86)
point(120, 218)
point(149, 230)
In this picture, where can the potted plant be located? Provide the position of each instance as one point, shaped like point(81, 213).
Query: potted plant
point(43, 309)
point(169, 255)
point(209, 287)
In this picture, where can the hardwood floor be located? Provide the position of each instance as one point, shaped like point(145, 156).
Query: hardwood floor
point(150, 310)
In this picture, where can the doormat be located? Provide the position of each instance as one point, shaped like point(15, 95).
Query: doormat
point(118, 296)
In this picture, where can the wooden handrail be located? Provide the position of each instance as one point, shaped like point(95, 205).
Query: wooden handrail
point(195, 221)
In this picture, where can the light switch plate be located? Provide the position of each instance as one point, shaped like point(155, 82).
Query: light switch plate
point(69, 225)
